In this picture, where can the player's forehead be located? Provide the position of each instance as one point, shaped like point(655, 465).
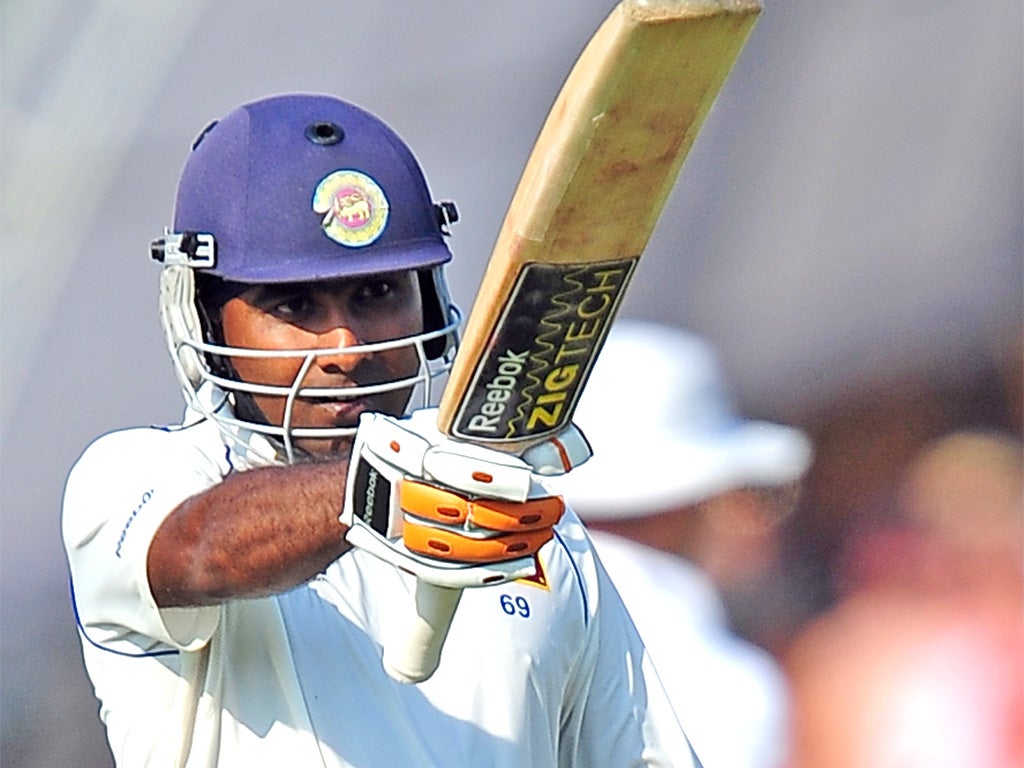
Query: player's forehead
point(329, 286)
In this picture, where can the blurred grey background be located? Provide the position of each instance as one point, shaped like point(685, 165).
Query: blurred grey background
point(851, 214)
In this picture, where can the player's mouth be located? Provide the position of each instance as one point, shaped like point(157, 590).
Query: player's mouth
point(342, 412)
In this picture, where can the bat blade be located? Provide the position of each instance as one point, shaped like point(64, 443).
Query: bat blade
point(602, 167)
point(590, 195)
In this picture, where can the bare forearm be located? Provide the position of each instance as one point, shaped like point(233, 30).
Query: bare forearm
point(256, 533)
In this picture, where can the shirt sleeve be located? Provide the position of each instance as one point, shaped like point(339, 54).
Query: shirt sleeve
point(619, 709)
point(117, 495)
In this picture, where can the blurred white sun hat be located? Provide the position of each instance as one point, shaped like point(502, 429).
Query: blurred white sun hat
point(665, 432)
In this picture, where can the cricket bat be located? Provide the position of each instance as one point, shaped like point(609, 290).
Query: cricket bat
point(603, 165)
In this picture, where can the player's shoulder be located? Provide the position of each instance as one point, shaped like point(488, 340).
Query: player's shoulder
point(571, 555)
point(572, 534)
point(124, 450)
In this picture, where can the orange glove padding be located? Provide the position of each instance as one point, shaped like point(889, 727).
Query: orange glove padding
point(447, 525)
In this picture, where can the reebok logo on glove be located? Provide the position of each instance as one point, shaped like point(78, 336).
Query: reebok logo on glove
point(372, 497)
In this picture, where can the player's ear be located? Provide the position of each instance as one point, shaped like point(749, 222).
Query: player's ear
point(212, 293)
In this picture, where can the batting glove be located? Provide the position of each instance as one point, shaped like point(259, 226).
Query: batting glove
point(454, 514)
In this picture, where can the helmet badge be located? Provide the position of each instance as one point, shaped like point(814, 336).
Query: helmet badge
point(354, 207)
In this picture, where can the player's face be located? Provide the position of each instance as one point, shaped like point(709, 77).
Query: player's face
point(334, 314)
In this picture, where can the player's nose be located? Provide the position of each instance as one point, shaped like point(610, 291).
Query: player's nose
point(346, 353)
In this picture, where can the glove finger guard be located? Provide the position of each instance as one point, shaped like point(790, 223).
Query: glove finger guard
point(452, 509)
point(447, 544)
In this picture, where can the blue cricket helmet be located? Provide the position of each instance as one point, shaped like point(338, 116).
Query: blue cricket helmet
point(296, 188)
point(308, 187)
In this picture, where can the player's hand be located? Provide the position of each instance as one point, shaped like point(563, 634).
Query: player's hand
point(453, 513)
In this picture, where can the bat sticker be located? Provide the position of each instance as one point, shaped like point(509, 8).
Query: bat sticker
point(542, 349)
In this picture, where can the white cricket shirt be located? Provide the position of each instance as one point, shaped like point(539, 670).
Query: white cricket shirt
point(730, 695)
point(532, 675)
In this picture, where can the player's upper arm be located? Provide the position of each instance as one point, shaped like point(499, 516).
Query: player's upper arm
point(116, 496)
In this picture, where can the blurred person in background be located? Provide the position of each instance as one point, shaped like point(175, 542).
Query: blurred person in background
point(681, 497)
point(921, 662)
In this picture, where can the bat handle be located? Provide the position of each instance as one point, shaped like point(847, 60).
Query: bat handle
point(413, 649)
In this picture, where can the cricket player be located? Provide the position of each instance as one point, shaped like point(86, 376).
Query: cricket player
point(225, 619)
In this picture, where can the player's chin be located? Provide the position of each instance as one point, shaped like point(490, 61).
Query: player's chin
point(336, 415)
point(336, 447)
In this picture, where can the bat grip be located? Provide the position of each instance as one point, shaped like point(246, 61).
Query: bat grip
point(413, 649)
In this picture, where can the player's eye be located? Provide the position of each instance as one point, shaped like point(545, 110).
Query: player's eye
point(295, 307)
point(288, 302)
point(374, 290)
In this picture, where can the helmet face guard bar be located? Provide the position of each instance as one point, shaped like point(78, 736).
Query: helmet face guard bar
point(420, 384)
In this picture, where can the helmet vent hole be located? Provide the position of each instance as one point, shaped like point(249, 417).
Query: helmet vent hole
point(324, 133)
